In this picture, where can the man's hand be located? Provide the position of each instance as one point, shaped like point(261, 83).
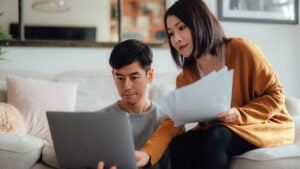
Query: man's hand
point(101, 166)
point(142, 158)
point(229, 116)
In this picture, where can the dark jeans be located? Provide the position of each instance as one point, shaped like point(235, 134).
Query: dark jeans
point(207, 149)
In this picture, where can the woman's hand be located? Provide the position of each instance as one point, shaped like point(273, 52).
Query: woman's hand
point(142, 158)
point(101, 166)
point(229, 116)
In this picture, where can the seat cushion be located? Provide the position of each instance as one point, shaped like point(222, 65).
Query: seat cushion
point(19, 151)
point(49, 155)
point(283, 157)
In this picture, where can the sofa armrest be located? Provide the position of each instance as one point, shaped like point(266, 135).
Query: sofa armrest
point(297, 128)
point(293, 105)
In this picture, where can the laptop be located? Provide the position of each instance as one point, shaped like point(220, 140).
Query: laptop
point(82, 139)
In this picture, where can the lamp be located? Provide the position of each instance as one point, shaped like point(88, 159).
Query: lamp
point(51, 5)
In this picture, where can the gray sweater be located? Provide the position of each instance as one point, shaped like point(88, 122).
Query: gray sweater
point(143, 126)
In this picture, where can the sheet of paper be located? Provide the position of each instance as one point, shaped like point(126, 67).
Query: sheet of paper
point(200, 101)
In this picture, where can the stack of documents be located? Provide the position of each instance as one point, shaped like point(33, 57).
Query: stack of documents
point(200, 101)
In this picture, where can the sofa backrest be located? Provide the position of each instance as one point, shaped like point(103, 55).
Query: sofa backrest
point(95, 87)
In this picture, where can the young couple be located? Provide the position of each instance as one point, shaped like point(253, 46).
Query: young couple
point(199, 46)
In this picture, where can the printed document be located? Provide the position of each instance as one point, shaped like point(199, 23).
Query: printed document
point(200, 101)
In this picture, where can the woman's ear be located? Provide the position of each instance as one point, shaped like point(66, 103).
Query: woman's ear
point(150, 75)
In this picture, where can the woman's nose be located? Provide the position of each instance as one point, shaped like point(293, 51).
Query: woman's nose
point(177, 37)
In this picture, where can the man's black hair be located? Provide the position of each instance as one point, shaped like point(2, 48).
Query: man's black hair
point(129, 51)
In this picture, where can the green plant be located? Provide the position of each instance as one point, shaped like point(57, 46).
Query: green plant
point(3, 36)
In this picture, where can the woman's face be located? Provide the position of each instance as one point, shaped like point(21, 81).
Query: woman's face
point(180, 35)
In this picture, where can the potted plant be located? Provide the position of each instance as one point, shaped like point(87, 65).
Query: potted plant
point(3, 36)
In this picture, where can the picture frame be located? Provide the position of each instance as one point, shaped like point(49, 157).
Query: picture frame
point(259, 11)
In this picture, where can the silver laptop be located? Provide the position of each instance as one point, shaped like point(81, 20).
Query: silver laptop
point(82, 139)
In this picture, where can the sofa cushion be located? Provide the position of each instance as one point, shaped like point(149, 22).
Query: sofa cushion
point(11, 121)
point(34, 97)
point(19, 151)
point(284, 157)
point(49, 155)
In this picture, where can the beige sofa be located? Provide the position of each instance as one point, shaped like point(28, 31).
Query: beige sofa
point(96, 90)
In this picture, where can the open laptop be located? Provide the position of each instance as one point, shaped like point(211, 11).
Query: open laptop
point(82, 139)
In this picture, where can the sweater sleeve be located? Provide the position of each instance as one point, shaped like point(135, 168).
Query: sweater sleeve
point(262, 93)
point(160, 140)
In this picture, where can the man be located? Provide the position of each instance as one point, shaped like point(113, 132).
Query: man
point(131, 63)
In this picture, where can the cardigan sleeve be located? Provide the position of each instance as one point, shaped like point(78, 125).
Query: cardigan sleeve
point(160, 140)
point(261, 92)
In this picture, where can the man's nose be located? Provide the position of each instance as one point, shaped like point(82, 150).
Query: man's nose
point(127, 83)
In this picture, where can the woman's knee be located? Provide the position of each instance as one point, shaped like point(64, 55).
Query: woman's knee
point(218, 134)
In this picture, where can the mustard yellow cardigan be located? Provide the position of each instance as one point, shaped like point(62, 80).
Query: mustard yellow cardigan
point(257, 94)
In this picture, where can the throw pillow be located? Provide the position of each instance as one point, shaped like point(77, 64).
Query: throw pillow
point(11, 121)
point(34, 97)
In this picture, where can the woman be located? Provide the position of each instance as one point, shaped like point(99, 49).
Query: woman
point(257, 117)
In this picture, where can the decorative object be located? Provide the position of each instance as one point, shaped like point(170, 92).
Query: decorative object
point(51, 5)
point(261, 11)
point(11, 120)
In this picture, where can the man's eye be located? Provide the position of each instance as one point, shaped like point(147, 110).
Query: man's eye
point(120, 78)
point(134, 78)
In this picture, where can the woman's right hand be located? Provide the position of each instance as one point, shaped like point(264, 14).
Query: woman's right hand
point(101, 166)
point(229, 116)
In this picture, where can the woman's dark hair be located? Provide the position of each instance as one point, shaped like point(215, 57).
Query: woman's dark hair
point(207, 33)
point(129, 51)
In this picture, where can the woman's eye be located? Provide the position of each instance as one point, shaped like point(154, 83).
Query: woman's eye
point(182, 27)
point(170, 33)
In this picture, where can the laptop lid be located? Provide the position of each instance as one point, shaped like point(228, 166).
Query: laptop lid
point(82, 139)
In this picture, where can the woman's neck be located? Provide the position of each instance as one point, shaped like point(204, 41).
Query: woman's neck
point(208, 63)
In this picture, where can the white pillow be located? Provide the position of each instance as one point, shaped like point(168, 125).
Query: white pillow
point(34, 97)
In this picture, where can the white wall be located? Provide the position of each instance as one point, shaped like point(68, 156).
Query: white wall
point(279, 42)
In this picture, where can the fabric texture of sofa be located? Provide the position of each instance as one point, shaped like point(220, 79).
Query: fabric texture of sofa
point(94, 90)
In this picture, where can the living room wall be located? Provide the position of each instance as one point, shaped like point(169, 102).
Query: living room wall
point(279, 42)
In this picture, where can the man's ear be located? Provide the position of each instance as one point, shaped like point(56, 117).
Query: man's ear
point(150, 75)
point(113, 73)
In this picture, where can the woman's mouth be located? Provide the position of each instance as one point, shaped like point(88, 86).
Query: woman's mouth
point(182, 47)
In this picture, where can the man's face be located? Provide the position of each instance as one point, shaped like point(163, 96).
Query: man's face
point(131, 82)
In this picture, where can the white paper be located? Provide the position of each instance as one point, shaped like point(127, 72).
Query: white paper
point(200, 101)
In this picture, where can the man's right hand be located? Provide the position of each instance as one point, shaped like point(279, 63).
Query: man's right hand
point(101, 166)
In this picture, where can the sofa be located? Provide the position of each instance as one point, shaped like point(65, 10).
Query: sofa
point(32, 93)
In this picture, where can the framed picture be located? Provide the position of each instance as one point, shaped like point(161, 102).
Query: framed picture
point(262, 11)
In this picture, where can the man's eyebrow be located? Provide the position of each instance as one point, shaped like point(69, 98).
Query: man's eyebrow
point(131, 74)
